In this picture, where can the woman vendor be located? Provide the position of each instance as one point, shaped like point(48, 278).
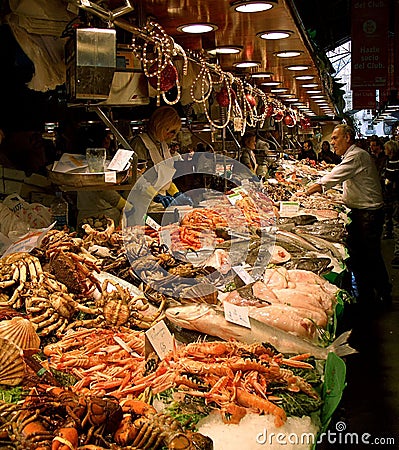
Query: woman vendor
point(152, 147)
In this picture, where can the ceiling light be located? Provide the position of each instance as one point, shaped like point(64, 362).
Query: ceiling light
point(302, 107)
point(249, 6)
point(315, 91)
point(287, 95)
point(262, 75)
point(317, 96)
point(271, 83)
point(197, 28)
point(304, 77)
point(225, 50)
point(291, 100)
point(246, 64)
point(298, 67)
point(277, 90)
point(288, 53)
point(274, 34)
point(308, 85)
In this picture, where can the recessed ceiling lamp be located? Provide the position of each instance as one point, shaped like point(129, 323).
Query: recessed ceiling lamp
point(298, 67)
point(315, 91)
point(246, 64)
point(291, 100)
point(262, 75)
point(288, 53)
point(250, 6)
point(317, 96)
point(287, 96)
point(197, 28)
point(278, 90)
point(271, 83)
point(309, 85)
point(304, 77)
point(275, 34)
point(225, 50)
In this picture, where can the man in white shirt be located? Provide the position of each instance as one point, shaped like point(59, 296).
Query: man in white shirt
point(362, 194)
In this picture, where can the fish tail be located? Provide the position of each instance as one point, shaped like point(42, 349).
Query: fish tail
point(340, 346)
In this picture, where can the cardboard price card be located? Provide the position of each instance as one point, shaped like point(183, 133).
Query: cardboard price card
point(236, 314)
point(160, 338)
point(243, 274)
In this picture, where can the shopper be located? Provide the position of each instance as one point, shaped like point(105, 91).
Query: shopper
point(327, 155)
point(247, 155)
point(378, 155)
point(362, 194)
point(392, 193)
point(152, 147)
point(307, 151)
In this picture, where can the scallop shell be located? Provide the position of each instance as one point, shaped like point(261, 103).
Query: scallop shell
point(200, 293)
point(21, 332)
point(12, 365)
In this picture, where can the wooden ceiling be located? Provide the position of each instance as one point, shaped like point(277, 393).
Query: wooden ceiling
point(241, 29)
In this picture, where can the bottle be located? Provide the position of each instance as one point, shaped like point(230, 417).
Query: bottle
point(59, 212)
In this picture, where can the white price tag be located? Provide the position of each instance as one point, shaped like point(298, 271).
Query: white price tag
point(243, 274)
point(165, 238)
point(110, 177)
point(288, 209)
point(233, 198)
point(151, 223)
point(236, 314)
point(160, 338)
point(121, 160)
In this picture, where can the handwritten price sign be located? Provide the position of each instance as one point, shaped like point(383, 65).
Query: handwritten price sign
point(160, 338)
point(236, 314)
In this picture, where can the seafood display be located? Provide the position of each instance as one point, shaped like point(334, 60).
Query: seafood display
point(76, 316)
point(210, 320)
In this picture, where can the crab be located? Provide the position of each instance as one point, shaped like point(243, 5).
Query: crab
point(75, 271)
point(53, 311)
point(118, 307)
point(18, 268)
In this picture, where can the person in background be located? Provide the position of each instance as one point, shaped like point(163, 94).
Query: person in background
point(392, 194)
point(327, 155)
point(174, 150)
point(379, 156)
point(152, 147)
point(247, 156)
point(362, 194)
point(308, 152)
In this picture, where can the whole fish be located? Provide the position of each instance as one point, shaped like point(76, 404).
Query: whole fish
point(210, 320)
point(292, 238)
point(323, 244)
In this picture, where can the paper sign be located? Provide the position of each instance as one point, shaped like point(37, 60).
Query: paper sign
point(151, 223)
point(236, 314)
point(233, 198)
point(243, 274)
point(289, 208)
point(110, 177)
point(70, 162)
point(165, 238)
point(160, 338)
point(121, 160)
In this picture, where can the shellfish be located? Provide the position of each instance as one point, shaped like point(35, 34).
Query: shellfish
point(21, 332)
point(12, 365)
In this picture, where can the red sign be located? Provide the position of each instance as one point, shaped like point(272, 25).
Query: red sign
point(364, 99)
point(370, 26)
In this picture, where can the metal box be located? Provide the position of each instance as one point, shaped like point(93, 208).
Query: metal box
point(90, 57)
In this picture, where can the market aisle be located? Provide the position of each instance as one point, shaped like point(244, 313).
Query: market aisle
point(370, 403)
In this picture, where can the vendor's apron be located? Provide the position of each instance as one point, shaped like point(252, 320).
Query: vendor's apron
point(163, 163)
